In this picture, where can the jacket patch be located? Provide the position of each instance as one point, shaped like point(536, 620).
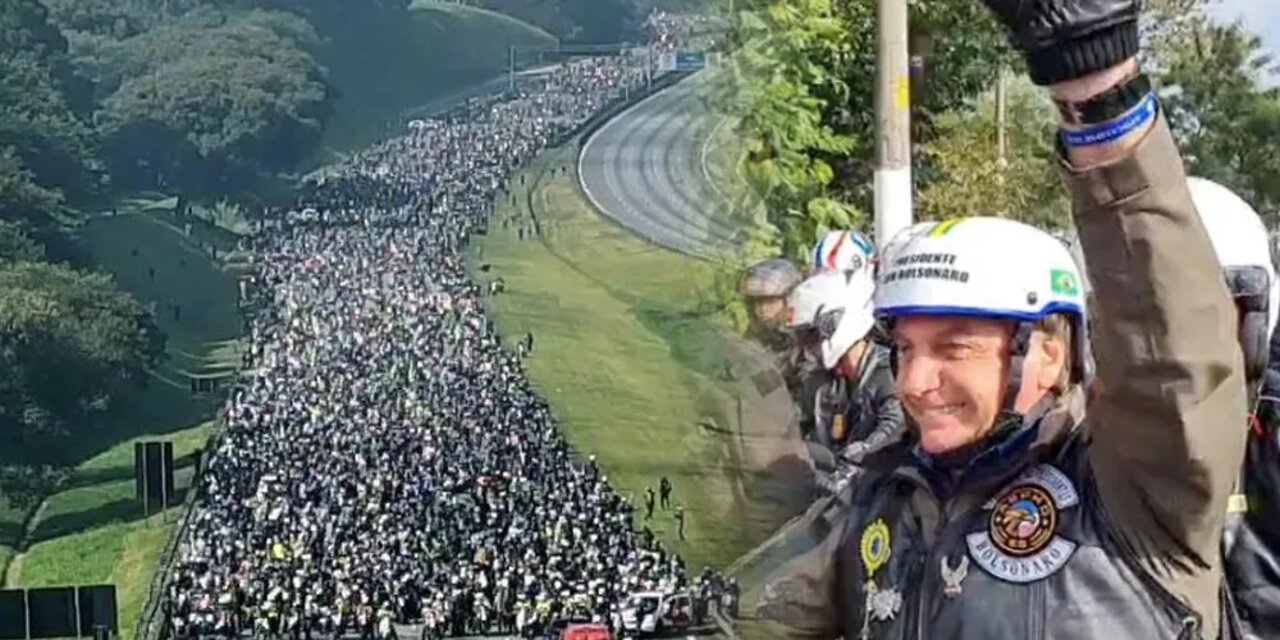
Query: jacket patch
point(1021, 542)
point(875, 547)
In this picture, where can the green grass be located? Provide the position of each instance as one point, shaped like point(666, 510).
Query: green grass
point(151, 257)
point(383, 63)
point(11, 520)
point(632, 356)
point(92, 530)
point(468, 13)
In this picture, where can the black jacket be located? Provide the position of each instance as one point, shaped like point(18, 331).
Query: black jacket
point(1021, 548)
point(866, 410)
point(1252, 541)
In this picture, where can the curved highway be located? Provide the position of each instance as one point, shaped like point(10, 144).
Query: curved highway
point(646, 170)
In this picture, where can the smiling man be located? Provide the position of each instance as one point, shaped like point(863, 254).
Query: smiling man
point(1008, 515)
point(978, 345)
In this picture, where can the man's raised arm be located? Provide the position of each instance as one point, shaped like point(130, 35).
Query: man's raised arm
point(1164, 450)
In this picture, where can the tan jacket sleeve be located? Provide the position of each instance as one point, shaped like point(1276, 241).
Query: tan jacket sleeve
point(1164, 449)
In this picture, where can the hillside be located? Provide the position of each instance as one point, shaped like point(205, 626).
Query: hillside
point(382, 64)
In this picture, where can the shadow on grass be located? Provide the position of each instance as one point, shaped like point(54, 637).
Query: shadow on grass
point(156, 411)
point(195, 304)
point(91, 477)
point(10, 531)
point(120, 510)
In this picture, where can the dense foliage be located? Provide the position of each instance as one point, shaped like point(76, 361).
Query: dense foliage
point(804, 82)
point(972, 179)
point(209, 99)
point(804, 76)
point(1226, 120)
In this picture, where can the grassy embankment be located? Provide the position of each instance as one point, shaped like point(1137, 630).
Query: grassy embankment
point(91, 530)
point(638, 364)
point(386, 64)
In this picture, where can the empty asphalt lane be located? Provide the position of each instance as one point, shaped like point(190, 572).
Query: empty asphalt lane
point(643, 170)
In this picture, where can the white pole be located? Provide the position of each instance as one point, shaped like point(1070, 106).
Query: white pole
point(893, 187)
point(1002, 106)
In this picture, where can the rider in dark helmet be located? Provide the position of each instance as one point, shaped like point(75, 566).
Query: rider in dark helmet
point(765, 287)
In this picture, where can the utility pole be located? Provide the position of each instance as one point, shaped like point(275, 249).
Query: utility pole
point(893, 187)
point(511, 69)
point(648, 67)
point(1002, 110)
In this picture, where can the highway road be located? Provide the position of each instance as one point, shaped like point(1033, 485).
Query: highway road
point(646, 170)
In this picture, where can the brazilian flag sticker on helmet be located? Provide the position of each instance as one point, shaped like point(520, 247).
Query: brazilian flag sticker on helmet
point(1063, 282)
point(944, 227)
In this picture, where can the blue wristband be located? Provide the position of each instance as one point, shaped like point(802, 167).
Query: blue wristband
point(1112, 131)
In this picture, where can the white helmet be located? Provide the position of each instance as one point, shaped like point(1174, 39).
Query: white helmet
point(984, 267)
point(1242, 244)
point(843, 251)
point(838, 306)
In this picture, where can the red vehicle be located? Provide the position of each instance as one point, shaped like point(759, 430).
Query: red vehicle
point(586, 632)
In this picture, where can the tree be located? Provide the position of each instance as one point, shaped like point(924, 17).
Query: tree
point(1225, 121)
point(68, 340)
point(803, 82)
point(789, 87)
point(969, 178)
point(16, 245)
point(210, 102)
point(21, 199)
point(46, 149)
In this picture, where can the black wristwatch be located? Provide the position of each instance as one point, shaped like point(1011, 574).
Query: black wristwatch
point(1108, 105)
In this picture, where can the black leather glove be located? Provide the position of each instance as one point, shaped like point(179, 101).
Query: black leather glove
point(1067, 39)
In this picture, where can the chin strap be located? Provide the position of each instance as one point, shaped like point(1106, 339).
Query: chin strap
point(1018, 349)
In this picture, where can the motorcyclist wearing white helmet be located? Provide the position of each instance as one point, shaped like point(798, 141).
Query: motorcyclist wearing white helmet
point(1252, 541)
point(1006, 517)
point(854, 409)
point(848, 251)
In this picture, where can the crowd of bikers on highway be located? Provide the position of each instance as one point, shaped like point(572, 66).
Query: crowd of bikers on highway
point(386, 462)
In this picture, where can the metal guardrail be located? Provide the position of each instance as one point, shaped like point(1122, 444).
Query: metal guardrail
point(151, 621)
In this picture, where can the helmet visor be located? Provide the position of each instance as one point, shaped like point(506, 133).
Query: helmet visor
point(1250, 286)
point(827, 323)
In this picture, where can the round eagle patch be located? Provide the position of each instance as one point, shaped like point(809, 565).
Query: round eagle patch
point(1021, 542)
point(1023, 521)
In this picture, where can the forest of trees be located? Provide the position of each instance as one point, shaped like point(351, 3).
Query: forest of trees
point(803, 85)
point(209, 99)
